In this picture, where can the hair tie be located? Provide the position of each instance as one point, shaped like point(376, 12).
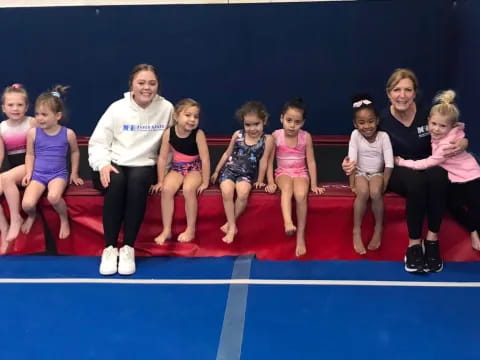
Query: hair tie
point(56, 94)
point(16, 86)
point(359, 103)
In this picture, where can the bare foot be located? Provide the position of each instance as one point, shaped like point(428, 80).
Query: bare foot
point(290, 229)
point(164, 236)
point(5, 246)
point(300, 249)
point(186, 236)
point(15, 225)
point(230, 235)
point(358, 243)
point(224, 228)
point(475, 240)
point(375, 241)
point(64, 229)
point(27, 224)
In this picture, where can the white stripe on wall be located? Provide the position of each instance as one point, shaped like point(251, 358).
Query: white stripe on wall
point(50, 3)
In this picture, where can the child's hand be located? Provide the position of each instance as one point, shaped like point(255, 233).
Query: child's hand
point(348, 166)
point(75, 179)
point(259, 185)
point(318, 190)
point(271, 188)
point(213, 178)
point(201, 188)
point(26, 180)
point(353, 189)
point(398, 159)
point(157, 188)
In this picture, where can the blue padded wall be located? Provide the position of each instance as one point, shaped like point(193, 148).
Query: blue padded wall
point(224, 55)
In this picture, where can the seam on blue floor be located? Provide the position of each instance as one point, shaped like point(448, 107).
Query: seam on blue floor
point(231, 337)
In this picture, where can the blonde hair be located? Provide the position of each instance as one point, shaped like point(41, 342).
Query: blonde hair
point(400, 74)
point(15, 89)
point(444, 104)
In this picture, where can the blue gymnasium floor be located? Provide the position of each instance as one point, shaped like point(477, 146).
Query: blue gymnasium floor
point(237, 308)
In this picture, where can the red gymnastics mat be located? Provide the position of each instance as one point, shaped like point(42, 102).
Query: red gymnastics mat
point(329, 228)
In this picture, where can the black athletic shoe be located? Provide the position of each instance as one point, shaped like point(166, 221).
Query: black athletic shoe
point(433, 260)
point(414, 259)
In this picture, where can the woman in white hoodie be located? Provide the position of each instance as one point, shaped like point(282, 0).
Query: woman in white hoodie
point(123, 149)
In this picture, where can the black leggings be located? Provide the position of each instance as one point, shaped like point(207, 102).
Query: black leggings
point(125, 202)
point(464, 204)
point(425, 192)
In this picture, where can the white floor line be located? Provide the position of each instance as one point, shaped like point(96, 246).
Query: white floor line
point(273, 282)
point(231, 336)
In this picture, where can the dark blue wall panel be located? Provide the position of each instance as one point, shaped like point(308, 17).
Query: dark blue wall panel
point(467, 67)
point(223, 55)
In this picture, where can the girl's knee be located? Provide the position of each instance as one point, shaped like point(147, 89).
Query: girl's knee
point(301, 196)
point(28, 205)
point(54, 198)
point(189, 191)
point(243, 194)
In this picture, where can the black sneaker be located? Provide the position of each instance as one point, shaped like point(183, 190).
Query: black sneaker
point(414, 259)
point(433, 261)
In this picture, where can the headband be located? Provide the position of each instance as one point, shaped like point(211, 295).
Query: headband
point(359, 103)
point(16, 86)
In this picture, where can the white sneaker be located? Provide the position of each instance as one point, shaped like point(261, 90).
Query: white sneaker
point(108, 266)
point(126, 262)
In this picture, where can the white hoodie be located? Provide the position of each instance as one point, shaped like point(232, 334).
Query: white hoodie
point(129, 135)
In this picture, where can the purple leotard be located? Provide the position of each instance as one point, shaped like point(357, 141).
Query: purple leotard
point(50, 156)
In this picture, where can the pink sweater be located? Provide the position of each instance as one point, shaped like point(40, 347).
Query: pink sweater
point(461, 168)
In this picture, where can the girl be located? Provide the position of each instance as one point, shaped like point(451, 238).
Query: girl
point(243, 164)
point(14, 133)
point(463, 170)
point(45, 161)
point(123, 151)
point(190, 166)
point(296, 170)
point(372, 152)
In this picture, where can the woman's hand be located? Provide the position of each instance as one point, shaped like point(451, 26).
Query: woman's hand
point(455, 148)
point(348, 166)
point(105, 174)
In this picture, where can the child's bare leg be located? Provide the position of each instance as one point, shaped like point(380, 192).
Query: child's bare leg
point(376, 194)
point(4, 244)
point(475, 240)
point(190, 186)
point(171, 184)
point(228, 189)
point(29, 203)
point(359, 207)
point(285, 183)
point(10, 180)
point(56, 187)
point(300, 191)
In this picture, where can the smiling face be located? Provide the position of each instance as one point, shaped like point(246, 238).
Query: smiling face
point(292, 121)
point(14, 106)
point(187, 118)
point(144, 87)
point(439, 125)
point(402, 95)
point(366, 123)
